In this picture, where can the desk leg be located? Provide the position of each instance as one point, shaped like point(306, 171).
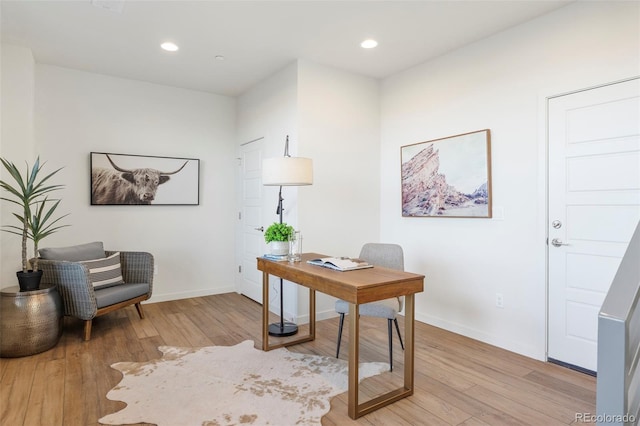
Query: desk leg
point(355, 409)
point(409, 329)
point(354, 357)
point(265, 319)
point(312, 314)
point(265, 311)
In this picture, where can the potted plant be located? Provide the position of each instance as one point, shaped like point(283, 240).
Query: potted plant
point(29, 192)
point(277, 236)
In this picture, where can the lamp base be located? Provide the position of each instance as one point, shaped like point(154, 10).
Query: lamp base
point(282, 330)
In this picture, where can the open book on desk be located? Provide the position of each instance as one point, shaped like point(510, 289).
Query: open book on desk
point(340, 263)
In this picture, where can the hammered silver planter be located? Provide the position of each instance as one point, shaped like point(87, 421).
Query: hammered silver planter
point(31, 321)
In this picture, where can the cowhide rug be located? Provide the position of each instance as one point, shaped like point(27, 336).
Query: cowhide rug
point(230, 385)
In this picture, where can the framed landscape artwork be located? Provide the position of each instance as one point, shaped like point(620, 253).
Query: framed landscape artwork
point(447, 177)
point(122, 179)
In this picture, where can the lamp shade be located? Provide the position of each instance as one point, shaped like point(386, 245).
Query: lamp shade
point(287, 171)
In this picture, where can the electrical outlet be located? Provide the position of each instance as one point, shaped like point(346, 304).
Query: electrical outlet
point(499, 300)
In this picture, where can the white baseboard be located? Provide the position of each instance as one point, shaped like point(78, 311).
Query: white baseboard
point(517, 347)
point(320, 315)
point(166, 297)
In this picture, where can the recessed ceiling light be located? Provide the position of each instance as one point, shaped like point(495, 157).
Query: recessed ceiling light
point(219, 58)
point(369, 44)
point(169, 47)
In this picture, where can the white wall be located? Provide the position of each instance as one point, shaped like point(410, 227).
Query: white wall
point(331, 116)
point(78, 112)
point(498, 83)
point(16, 142)
point(340, 129)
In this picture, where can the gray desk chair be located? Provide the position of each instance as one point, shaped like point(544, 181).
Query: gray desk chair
point(388, 256)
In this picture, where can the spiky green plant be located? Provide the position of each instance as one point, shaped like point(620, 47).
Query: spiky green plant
point(41, 225)
point(29, 191)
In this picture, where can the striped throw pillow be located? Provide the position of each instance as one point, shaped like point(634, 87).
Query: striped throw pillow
point(105, 272)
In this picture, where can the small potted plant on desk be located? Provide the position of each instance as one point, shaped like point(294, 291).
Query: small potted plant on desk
point(29, 192)
point(277, 236)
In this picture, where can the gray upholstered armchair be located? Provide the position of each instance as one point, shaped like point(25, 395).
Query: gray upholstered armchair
point(94, 282)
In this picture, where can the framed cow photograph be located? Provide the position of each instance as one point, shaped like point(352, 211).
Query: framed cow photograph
point(124, 179)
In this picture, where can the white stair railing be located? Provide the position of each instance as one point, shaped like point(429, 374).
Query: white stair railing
point(618, 383)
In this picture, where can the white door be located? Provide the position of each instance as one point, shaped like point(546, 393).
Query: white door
point(594, 206)
point(250, 217)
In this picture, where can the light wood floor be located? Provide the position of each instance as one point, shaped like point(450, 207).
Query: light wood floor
point(459, 381)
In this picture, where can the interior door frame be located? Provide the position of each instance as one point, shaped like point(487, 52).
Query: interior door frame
point(543, 175)
point(239, 248)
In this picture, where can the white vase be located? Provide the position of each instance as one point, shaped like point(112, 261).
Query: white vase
point(279, 247)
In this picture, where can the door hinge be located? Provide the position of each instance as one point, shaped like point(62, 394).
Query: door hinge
point(239, 269)
point(239, 215)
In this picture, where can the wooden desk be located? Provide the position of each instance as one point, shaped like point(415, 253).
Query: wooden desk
point(356, 287)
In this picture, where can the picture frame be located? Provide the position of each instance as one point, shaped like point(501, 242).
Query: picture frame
point(448, 177)
point(128, 179)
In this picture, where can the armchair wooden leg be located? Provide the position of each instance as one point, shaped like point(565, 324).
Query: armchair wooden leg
point(87, 330)
point(139, 309)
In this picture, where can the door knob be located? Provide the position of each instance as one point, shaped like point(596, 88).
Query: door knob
point(557, 242)
point(261, 229)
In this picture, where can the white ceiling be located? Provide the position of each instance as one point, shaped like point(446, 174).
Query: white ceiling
point(257, 38)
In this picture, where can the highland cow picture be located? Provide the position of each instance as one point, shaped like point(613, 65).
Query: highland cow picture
point(448, 177)
point(122, 179)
